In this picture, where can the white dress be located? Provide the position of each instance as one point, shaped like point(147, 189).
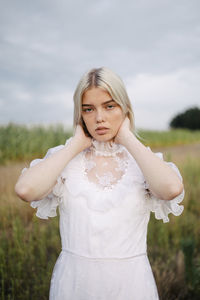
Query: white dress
point(104, 207)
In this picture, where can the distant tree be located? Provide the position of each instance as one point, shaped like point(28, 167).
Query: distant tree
point(190, 119)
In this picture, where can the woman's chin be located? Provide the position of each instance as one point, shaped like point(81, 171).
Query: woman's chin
point(104, 137)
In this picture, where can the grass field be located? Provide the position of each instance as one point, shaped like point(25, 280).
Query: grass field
point(29, 246)
point(23, 143)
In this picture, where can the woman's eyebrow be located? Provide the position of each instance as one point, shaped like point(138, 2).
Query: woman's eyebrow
point(102, 103)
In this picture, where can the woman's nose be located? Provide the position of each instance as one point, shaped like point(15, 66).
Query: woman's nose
point(100, 116)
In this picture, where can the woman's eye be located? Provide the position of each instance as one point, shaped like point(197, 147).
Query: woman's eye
point(110, 106)
point(87, 109)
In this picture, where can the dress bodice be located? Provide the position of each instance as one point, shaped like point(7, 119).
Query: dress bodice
point(104, 203)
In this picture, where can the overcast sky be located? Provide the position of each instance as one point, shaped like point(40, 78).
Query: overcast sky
point(46, 46)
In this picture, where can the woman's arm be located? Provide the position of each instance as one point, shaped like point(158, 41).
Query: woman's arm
point(38, 181)
point(163, 181)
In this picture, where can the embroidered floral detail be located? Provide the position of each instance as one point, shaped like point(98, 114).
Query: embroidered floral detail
point(90, 165)
point(105, 164)
point(122, 164)
point(106, 180)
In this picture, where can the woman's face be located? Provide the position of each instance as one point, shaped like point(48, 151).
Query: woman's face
point(101, 114)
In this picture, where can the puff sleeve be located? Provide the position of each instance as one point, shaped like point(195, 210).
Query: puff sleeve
point(47, 206)
point(160, 207)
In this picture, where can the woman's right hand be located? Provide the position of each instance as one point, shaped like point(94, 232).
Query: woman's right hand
point(80, 138)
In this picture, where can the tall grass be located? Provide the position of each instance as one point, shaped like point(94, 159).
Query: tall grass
point(170, 137)
point(28, 246)
point(174, 247)
point(27, 255)
point(18, 142)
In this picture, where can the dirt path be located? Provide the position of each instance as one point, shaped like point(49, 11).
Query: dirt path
point(180, 153)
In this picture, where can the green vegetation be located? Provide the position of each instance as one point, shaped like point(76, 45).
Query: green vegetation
point(174, 246)
point(173, 137)
point(21, 143)
point(189, 119)
point(30, 246)
point(27, 255)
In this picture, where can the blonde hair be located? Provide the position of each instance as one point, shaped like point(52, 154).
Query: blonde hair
point(109, 81)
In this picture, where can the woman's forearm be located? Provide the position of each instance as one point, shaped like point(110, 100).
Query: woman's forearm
point(39, 180)
point(162, 179)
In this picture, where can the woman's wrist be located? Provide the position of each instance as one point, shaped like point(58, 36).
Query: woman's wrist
point(133, 141)
point(124, 138)
point(78, 144)
point(75, 145)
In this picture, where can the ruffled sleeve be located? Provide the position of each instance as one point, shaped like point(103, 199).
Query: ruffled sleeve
point(47, 206)
point(160, 207)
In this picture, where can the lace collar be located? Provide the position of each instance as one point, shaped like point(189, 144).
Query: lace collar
point(106, 148)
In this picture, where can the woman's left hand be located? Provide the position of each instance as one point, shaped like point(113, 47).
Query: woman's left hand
point(123, 132)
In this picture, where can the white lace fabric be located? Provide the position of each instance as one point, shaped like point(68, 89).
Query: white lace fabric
point(105, 164)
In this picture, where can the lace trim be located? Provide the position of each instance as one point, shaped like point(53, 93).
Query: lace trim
point(106, 148)
point(162, 208)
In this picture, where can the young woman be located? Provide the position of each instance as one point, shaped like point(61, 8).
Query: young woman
point(105, 183)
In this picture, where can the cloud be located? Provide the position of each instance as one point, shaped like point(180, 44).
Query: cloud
point(45, 47)
point(27, 107)
point(157, 98)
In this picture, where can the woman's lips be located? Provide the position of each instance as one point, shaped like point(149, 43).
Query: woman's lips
point(101, 130)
